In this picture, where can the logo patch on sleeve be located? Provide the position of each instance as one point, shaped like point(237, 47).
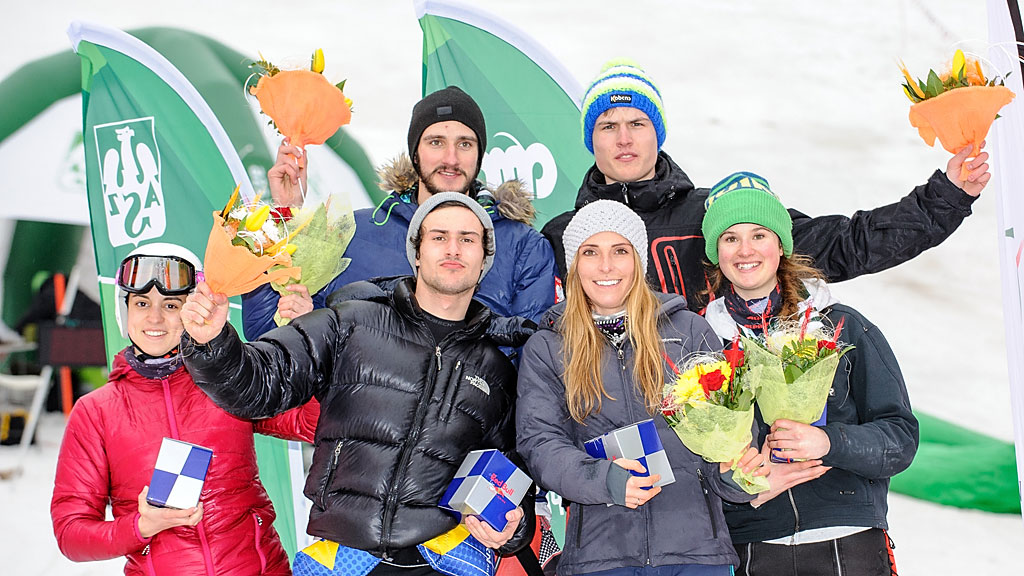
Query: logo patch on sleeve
point(479, 383)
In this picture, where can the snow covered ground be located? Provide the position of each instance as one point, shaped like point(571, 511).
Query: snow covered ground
point(806, 94)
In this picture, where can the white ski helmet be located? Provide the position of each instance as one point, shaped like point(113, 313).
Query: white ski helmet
point(153, 249)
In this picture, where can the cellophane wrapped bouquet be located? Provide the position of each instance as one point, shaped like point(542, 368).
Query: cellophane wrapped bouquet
point(792, 364)
point(710, 406)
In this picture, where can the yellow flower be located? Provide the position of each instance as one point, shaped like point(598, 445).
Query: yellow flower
point(911, 82)
point(958, 63)
point(776, 341)
point(256, 218)
point(316, 63)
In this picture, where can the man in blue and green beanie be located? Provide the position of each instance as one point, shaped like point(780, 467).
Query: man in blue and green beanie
point(623, 124)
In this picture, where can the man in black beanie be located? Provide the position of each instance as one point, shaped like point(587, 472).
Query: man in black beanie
point(446, 136)
point(446, 143)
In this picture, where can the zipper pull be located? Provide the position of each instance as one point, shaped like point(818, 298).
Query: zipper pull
point(625, 193)
point(337, 453)
point(437, 352)
point(700, 477)
point(622, 362)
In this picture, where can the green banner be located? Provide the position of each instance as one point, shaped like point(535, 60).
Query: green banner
point(157, 164)
point(530, 103)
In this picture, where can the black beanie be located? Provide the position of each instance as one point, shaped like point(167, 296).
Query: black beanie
point(450, 103)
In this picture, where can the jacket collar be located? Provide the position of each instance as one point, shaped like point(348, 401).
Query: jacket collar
point(670, 304)
point(645, 196)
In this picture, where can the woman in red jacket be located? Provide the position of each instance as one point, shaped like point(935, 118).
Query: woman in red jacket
point(114, 434)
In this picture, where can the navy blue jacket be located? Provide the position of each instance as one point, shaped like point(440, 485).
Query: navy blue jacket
point(520, 283)
point(873, 436)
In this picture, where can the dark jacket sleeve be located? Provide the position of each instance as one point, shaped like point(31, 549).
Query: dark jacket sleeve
point(535, 279)
point(553, 232)
point(875, 240)
point(886, 440)
point(543, 429)
point(282, 370)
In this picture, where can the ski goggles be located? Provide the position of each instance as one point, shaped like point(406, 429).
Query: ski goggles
point(171, 275)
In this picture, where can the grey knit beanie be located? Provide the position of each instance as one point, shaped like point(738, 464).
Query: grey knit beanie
point(605, 216)
point(428, 207)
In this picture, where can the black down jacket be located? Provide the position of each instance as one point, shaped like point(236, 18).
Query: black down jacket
point(842, 247)
point(399, 412)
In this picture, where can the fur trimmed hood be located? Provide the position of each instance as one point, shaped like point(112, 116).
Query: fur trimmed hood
point(512, 197)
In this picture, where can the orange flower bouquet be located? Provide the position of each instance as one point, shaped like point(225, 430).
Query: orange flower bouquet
point(957, 106)
point(304, 106)
point(247, 248)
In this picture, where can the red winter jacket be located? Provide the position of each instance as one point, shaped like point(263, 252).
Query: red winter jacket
point(107, 456)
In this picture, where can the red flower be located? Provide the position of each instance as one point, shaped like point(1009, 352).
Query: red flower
point(666, 406)
point(826, 344)
point(281, 214)
point(712, 381)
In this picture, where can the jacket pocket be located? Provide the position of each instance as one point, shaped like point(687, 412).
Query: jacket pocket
point(707, 502)
point(325, 486)
point(452, 391)
point(258, 540)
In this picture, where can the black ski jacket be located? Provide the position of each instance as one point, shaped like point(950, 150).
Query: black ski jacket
point(399, 412)
point(842, 247)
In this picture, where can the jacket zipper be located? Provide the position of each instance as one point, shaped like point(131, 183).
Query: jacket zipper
point(707, 501)
point(330, 473)
point(627, 391)
point(391, 504)
point(259, 549)
point(625, 194)
point(796, 513)
point(173, 421)
point(579, 523)
point(149, 560)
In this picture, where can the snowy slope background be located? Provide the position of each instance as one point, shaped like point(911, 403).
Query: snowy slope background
point(806, 94)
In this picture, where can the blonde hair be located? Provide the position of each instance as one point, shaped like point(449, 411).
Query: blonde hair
point(583, 345)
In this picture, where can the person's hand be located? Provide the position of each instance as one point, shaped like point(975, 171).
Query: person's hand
point(786, 475)
point(490, 537)
point(297, 303)
point(287, 177)
point(204, 313)
point(801, 441)
point(639, 489)
point(153, 520)
point(977, 175)
point(752, 462)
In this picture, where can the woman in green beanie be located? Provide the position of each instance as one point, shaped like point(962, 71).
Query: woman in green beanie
point(826, 510)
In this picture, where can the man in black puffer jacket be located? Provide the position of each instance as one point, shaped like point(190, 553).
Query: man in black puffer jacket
point(410, 380)
point(624, 129)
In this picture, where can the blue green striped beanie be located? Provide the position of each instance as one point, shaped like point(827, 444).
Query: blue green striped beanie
point(744, 197)
point(621, 83)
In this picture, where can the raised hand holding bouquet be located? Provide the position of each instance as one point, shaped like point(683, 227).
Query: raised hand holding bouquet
point(710, 406)
point(792, 365)
point(247, 248)
point(307, 109)
point(958, 106)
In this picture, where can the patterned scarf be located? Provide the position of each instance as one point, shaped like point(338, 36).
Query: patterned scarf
point(612, 326)
point(153, 367)
point(753, 314)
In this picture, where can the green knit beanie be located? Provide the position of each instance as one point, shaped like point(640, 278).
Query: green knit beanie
point(744, 197)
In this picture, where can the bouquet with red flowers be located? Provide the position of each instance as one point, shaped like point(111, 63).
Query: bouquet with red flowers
point(796, 362)
point(710, 406)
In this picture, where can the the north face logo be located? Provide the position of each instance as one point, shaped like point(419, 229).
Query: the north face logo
point(479, 383)
point(130, 173)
